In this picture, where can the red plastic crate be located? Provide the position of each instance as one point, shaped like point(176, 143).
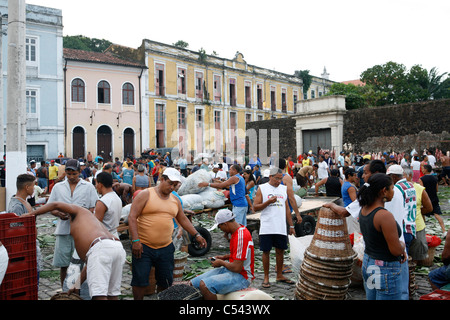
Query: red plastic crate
point(23, 293)
point(17, 233)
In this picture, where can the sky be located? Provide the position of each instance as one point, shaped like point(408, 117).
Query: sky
point(346, 36)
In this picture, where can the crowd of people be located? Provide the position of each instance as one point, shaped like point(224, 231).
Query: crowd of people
point(381, 196)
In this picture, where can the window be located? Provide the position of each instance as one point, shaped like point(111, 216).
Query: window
point(233, 92)
point(199, 85)
point(160, 121)
point(217, 88)
point(283, 101)
point(31, 97)
point(313, 94)
point(248, 117)
point(260, 117)
point(182, 117)
point(78, 90)
point(295, 101)
point(181, 81)
point(128, 94)
point(248, 94)
point(273, 104)
point(159, 80)
point(103, 92)
point(30, 49)
point(259, 96)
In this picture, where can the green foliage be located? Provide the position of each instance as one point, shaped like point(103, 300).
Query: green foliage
point(85, 43)
point(398, 85)
point(356, 96)
point(181, 44)
point(306, 78)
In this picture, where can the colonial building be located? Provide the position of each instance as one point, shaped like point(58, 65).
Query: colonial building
point(102, 104)
point(44, 80)
point(199, 103)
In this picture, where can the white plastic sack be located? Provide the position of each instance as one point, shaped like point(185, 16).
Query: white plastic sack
point(298, 199)
point(192, 202)
point(212, 198)
point(297, 247)
point(190, 185)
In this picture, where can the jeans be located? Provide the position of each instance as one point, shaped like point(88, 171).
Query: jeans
point(241, 215)
point(221, 281)
point(382, 279)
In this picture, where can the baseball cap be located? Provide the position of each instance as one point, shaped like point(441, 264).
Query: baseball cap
point(173, 174)
point(266, 173)
point(224, 215)
point(72, 164)
point(395, 169)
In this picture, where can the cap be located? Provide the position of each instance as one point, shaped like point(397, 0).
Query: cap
point(247, 167)
point(395, 169)
point(216, 166)
point(33, 161)
point(52, 161)
point(224, 215)
point(266, 173)
point(172, 174)
point(72, 164)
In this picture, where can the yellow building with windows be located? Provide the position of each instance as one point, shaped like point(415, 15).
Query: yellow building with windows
point(200, 103)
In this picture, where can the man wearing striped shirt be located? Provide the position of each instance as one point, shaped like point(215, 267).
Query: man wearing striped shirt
point(234, 271)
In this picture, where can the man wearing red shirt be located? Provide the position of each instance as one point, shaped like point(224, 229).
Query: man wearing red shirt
point(236, 273)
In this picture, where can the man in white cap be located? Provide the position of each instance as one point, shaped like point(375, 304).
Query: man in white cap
point(272, 200)
point(234, 271)
point(217, 174)
point(151, 227)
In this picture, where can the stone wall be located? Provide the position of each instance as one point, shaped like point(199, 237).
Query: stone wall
point(399, 128)
point(285, 140)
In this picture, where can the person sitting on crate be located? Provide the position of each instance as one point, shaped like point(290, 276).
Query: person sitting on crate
point(236, 273)
point(441, 277)
point(103, 253)
point(19, 205)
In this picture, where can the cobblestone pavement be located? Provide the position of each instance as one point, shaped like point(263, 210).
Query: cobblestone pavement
point(49, 283)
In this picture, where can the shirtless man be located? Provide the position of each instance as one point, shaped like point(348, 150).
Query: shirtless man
point(123, 190)
point(445, 175)
point(103, 253)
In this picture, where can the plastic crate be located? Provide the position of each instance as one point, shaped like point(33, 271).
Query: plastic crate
point(22, 293)
point(17, 233)
point(21, 271)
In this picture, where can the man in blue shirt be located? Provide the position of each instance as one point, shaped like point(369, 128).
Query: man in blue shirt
point(236, 183)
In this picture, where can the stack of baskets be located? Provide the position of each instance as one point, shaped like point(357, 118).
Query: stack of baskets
point(327, 265)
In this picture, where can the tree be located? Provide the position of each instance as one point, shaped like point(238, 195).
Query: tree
point(306, 79)
point(356, 97)
point(181, 44)
point(85, 43)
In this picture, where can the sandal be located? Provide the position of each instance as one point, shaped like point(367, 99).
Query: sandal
point(266, 285)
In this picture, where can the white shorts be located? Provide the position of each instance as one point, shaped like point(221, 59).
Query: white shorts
point(3, 262)
point(105, 261)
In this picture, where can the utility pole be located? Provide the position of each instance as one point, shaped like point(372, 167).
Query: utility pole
point(16, 124)
point(2, 138)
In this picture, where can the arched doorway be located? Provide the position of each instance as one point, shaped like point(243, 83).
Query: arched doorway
point(104, 142)
point(78, 146)
point(128, 142)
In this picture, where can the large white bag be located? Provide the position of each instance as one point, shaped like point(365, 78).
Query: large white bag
point(190, 185)
point(212, 198)
point(192, 202)
point(297, 247)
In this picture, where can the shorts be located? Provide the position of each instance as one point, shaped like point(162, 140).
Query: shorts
point(436, 210)
point(105, 261)
point(161, 259)
point(418, 249)
point(241, 214)
point(42, 182)
point(267, 241)
point(64, 247)
point(221, 281)
point(4, 259)
point(440, 277)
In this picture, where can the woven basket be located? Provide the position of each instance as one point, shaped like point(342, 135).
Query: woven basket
point(331, 241)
